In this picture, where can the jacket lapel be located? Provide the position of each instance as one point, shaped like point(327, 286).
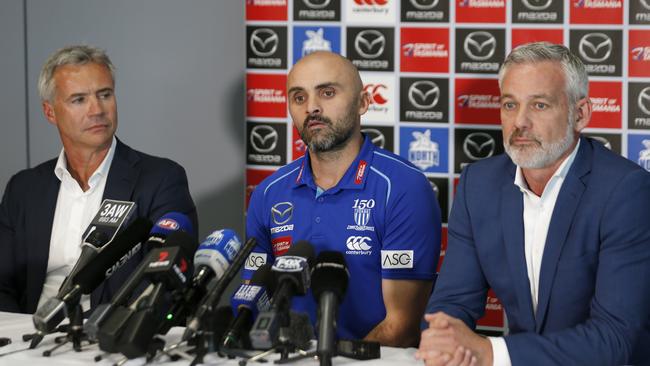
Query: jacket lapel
point(512, 224)
point(561, 220)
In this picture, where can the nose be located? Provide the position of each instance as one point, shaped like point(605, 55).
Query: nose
point(522, 119)
point(313, 106)
point(95, 106)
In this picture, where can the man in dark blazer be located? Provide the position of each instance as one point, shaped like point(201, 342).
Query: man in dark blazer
point(77, 92)
point(558, 228)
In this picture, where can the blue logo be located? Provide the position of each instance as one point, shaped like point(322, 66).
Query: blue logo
point(426, 148)
point(310, 39)
point(638, 150)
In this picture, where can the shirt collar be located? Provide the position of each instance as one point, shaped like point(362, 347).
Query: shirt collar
point(61, 168)
point(560, 172)
point(354, 178)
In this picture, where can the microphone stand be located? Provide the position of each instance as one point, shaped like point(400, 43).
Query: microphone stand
point(74, 330)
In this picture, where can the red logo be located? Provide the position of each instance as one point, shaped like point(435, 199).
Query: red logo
point(522, 36)
point(371, 2)
point(162, 256)
point(606, 104)
point(298, 146)
point(481, 11)
point(253, 178)
point(168, 224)
point(183, 266)
point(639, 57)
point(477, 101)
point(424, 49)
point(266, 9)
point(361, 170)
point(493, 312)
point(281, 245)
point(596, 12)
point(266, 95)
point(374, 91)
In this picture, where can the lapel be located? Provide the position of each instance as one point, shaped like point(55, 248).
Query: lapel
point(563, 213)
point(38, 251)
point(120, 185)
point(512, 225)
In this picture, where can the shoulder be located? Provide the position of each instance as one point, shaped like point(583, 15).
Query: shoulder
point(150, 164)
point(35, 175)
point(393, 166)
point(282, 178)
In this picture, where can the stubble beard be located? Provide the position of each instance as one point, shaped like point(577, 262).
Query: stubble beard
point(332, 136)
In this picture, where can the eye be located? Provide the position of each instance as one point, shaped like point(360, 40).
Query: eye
point(508, 106)
point(106, 94)
point(78, 100)
point(299, 98)
point(540, 106)
point(328, 92)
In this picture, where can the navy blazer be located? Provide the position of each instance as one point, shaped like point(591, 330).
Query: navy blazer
point(594, 286)
point(156, 185)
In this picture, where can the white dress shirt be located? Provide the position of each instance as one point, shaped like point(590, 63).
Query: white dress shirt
point(537, 218)
point(74, 211)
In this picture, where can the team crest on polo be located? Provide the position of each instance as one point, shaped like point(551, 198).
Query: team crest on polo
point(362, 212)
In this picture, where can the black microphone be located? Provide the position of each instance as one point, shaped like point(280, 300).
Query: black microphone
point(216, 288)
point(167, 224)
point(329, 282)
point(111, 257)
point(292, 277)
point(247, 302)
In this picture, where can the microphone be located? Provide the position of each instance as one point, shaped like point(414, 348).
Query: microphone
point(211, 260)
point(167, 224)
point(291, 273)
point(216, 288)
point(247, 302)
point(168, 270)
point(329, 282)
point(111, 257)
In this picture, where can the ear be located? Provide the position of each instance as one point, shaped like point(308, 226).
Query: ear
point(48, 111)
point(364, 102)
point(583, 113)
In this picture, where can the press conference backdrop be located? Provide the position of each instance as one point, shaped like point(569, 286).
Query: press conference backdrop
point(179, 88)
point(430, 67)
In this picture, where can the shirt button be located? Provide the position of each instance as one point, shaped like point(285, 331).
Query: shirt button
point(318, 220)
point(320, 199)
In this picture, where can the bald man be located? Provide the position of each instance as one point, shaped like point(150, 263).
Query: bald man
point(350, 196)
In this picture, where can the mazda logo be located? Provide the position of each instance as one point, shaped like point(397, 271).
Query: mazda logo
point(316, 4)
point(424, 4)
point(370, 43)
point(537, 5)
point(282, 212)
point(264, 138)
point(424, 94)
point(644, 100)
point(375, 136)
point(435, 188)
point(480, 46)
point(595, 47)
point(603, 141)
point(645, 4)
point(264, 42)
point(479, 145)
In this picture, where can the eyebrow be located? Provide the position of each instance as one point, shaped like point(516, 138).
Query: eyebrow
point(83, 94)
point(318, 87)
point(534, 96)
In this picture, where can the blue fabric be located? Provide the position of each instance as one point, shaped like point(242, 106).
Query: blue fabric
point(382, 203)
point(594, 290)
point(156, 185)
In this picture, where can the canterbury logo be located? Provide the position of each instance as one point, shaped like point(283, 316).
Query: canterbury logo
point(358, 243)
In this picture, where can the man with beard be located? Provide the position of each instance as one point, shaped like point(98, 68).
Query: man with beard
point(557, 227)
point(349, 196)
point(46, 209)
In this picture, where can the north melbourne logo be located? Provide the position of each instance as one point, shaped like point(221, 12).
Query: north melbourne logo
point(423, 152)
point(315, 42)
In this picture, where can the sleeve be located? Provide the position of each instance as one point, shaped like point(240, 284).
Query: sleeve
point(461, 288)
point(257, 228)
point(618, 316)
point(8, 290)
point(500, 357)
point(173, 194)
point(410, 248)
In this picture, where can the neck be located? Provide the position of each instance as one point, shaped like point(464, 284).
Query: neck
point(82, 163)
point(328, 167)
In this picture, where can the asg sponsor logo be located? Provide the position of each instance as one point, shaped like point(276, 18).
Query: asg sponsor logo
point(358, 245)
point(266, 143)
point(482, 50)
point(266, 47)
point(425, 10)
point(325, 10)
point(255, 261)
point(600, 50)
point(282, 212)
point(370, 49)
point(397, 259)
point(537, 11)
point(598, 4)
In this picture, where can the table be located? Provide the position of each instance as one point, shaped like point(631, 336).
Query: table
point(15, 325)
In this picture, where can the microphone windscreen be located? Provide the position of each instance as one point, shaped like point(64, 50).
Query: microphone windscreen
point(330, 273)
point(218, 251)
point(182, 240)
point(124, 244)
point(263, 276)
point(98, 238)
point(170, 222)
point(303, 249)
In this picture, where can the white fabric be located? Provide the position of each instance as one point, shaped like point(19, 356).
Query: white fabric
point(74, 211)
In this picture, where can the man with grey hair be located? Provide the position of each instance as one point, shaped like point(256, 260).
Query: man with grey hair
point(46, 209)
point(557, 227)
